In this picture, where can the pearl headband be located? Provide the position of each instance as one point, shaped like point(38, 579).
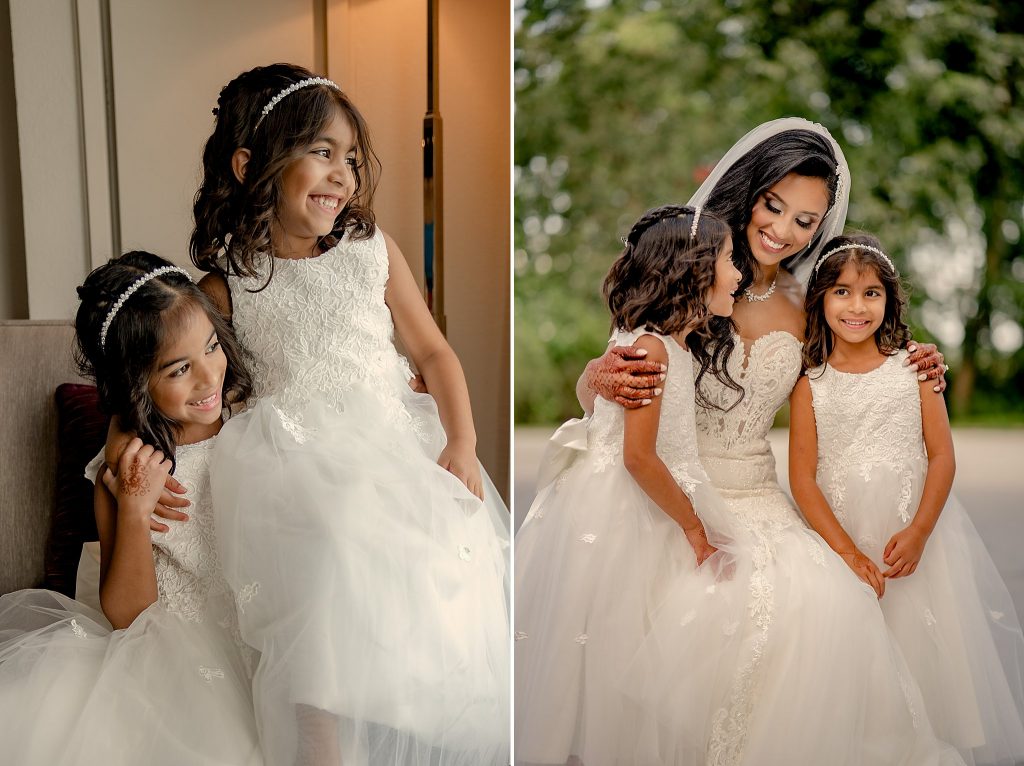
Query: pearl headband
point(132, 289)
point(693, 226)
point(854, 246)
point(291, 89)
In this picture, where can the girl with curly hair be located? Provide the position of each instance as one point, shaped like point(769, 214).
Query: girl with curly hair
point(161, 676)
point(612, 529)
point(871, 467)
point(365, 545)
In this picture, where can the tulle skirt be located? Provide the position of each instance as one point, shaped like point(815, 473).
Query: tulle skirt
point(163, 691)
point(594, 559)
point(781, 658)
point(372, 582)
point(953, 618)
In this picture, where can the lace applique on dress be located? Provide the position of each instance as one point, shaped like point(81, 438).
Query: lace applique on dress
point(675, 445)
point(867, 424)
point(321, 327)
point(735, 450)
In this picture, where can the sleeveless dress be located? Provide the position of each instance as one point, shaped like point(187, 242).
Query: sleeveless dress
point(172, 688)
point(370, 579)
point(953, 617)
point(593, 557)
point(788, 660)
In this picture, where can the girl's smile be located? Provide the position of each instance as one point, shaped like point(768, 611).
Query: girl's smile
point(785, 218)
point(188, 382)
point(314, 189)
point(855, 305)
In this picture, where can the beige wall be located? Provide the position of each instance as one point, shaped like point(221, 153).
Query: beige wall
point(13, 292)
point(127, 172)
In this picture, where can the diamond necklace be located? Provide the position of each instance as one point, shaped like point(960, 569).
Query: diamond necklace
point(765, 296)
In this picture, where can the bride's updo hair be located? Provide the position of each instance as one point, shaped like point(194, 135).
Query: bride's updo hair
point(661, 282)
point(802, 152)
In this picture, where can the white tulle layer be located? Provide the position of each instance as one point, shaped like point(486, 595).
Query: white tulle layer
point(772, 653)
point(782, 657)
point(164, 691)
point(953, 618)
point(592, 559)
point(373, 583)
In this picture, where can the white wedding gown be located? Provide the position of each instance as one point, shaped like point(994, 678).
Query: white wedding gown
point(172, 688)
point(953, 617)
point(786, 659)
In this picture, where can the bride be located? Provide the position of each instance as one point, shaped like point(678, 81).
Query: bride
point(804, 670)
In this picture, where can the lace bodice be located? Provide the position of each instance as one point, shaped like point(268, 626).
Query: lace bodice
point(733, 444)
point(188, 574)
point(321, 326)
point(677, 444)
point(865, 422)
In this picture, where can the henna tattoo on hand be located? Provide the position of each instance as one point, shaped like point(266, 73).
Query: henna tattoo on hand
point(136, 483)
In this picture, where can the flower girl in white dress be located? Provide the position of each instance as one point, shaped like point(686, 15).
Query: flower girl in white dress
point(871, 467)
point(162, 676)
point(603, 538)
point(366, 547)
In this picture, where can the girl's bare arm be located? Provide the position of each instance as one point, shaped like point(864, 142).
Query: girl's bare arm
point(904, 550)
point(127, 574)
point(639, 453)
point(439, 366)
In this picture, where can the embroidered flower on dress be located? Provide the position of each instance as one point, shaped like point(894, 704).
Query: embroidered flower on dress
point(520, 635)
point(588, 538)
point(246, 594)
point(78, 630)
point(464, 553)
point(581, 639)
point(210, 673)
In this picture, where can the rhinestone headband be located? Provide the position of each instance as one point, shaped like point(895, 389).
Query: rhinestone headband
point(854, 246)
point(291, 89)
point(132, 289)
point(693, 226)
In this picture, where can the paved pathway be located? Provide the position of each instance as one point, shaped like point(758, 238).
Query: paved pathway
point(989, 482)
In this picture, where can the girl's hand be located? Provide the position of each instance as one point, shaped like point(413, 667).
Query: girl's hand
point(866, 570)
point(418, 384)
point(622, 376)
point(698, 540)
point(925, 357)
point(461, 462)
point(170, 499)
point(140, 479)
point(903, 552)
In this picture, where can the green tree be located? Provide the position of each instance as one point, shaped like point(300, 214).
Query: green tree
point(625, 105)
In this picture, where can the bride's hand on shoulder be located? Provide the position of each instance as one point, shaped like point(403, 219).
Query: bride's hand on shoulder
point(866, 570)
point(460, 461)
point(929, 362)
point(623, 375)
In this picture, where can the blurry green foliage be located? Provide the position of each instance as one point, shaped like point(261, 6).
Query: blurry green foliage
point(624, 105)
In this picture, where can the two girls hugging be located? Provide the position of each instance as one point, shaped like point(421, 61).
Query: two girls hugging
point(330, 583)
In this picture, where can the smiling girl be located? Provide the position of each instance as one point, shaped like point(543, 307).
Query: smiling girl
point(161, 676)
point(871, 467)
point(364, 542)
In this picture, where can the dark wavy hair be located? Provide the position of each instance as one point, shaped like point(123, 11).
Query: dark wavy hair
point(145, 322)
point(661, 280)
point(233, 218)
point(802, 152)
point(891, 336)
